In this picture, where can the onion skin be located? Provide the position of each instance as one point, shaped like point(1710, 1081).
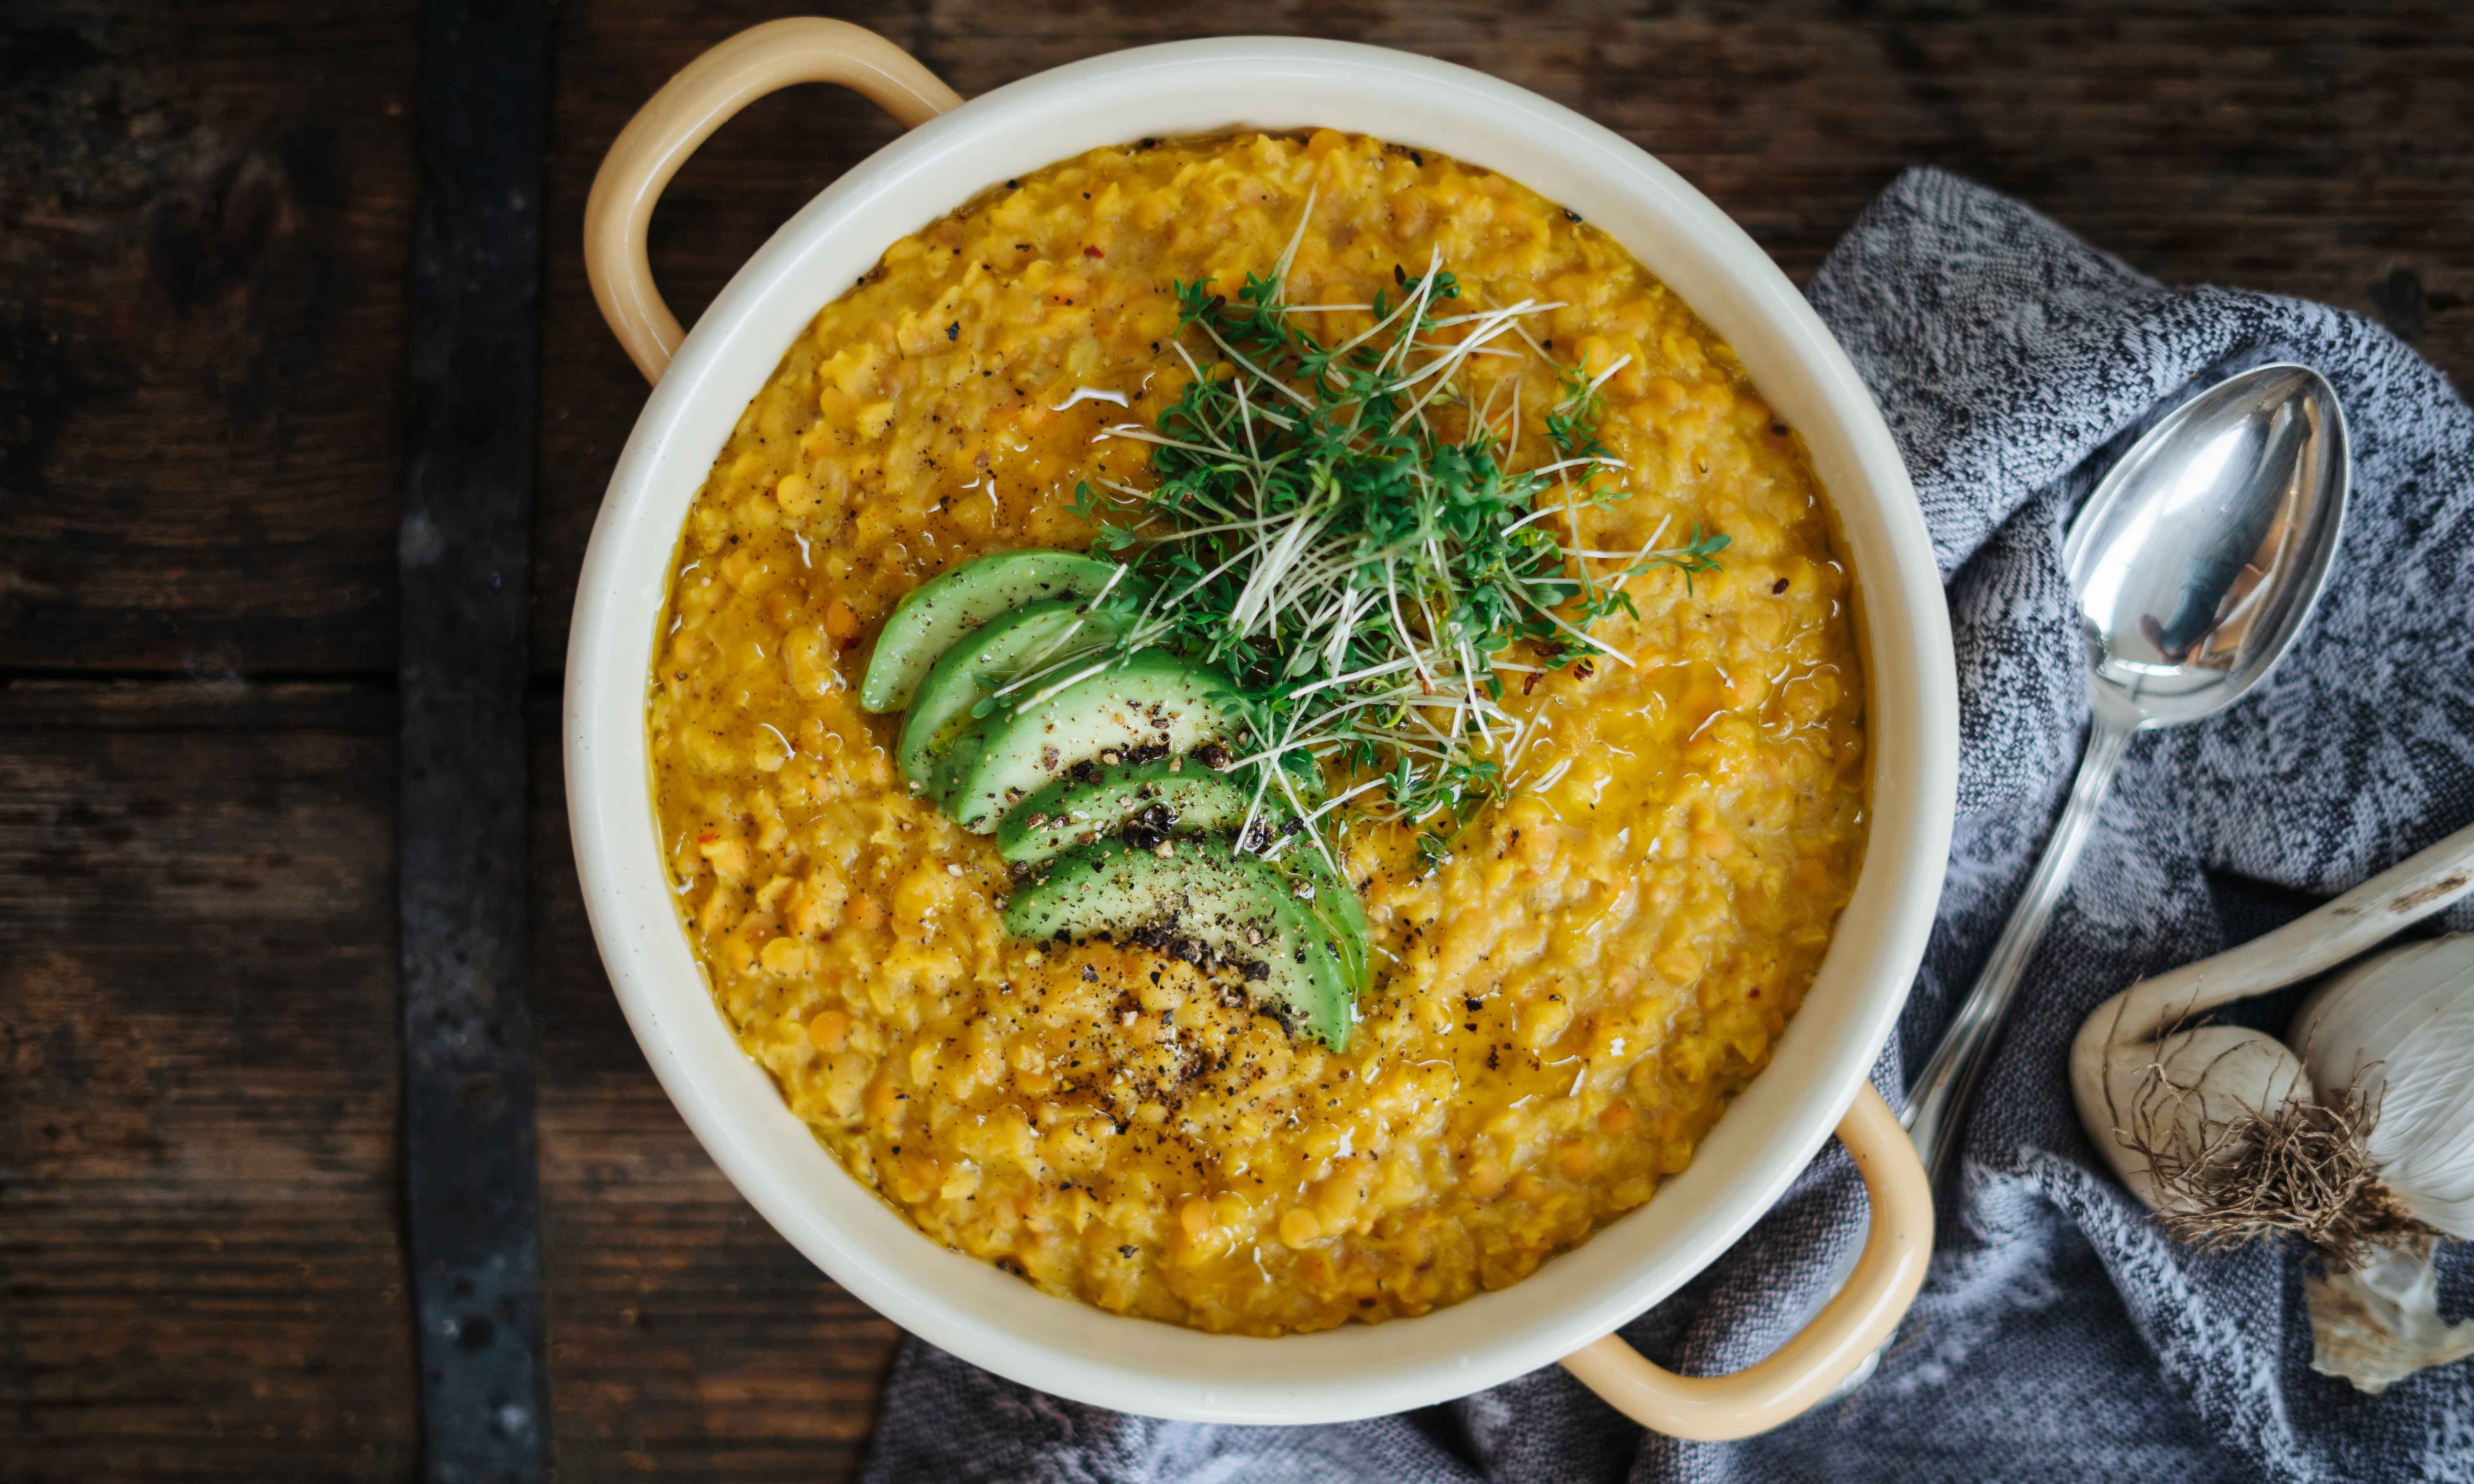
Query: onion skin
point(2380, 1322)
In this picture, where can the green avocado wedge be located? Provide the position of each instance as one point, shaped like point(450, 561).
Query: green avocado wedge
point(1194, 799)
point(1148, 707)
point(1025, 641)
point(1198, 903)
point(1336, 908)
point(927, 622)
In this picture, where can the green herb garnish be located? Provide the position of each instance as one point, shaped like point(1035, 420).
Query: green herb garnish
point(1355, 571)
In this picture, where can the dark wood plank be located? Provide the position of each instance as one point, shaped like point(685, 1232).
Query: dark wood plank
point(200, 1274)
point(471, 1193)
point(230, 704)
point(202, 213)
point(687, 1338)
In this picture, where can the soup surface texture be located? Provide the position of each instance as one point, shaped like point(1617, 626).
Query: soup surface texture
point(1559, 1013)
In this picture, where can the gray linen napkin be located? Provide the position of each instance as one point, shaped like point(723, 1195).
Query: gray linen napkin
point(2060, 1336)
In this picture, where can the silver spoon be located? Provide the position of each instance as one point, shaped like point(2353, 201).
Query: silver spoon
point(2196, 562)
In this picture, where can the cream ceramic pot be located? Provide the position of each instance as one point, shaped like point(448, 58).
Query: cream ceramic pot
point(1566, 1310)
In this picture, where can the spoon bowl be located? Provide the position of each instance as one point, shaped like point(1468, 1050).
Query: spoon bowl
point(2196, 562)
point(2202, 553)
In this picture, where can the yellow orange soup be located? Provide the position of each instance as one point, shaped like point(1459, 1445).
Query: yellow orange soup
point(1558, 1015)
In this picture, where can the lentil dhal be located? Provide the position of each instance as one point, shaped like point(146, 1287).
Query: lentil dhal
point(1559, 1014)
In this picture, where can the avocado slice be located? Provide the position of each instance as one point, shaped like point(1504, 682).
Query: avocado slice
point(1148, 707)
point(936, 613)
point(1189, 798)
point(1205, 905)
point(1024, 641)
point(1336, 908)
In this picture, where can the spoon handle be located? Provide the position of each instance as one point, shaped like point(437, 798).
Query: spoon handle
point(1937, 1102)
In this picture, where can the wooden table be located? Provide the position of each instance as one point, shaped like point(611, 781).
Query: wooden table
point(205, 211)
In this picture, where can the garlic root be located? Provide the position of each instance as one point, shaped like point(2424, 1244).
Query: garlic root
point(2196, 1102)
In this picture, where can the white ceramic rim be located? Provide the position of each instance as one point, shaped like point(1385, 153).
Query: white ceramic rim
point(969, 1307)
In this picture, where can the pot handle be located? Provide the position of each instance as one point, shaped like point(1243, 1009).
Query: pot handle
point(1852, 1326)
point(689, 107)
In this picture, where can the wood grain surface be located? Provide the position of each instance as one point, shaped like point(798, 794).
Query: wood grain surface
point(203, 213)
point(199, 1270)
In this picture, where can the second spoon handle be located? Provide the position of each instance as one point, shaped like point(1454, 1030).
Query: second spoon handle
point(1937, 1102)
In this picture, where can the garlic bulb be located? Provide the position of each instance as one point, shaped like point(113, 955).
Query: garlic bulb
point(2361, 1132)
point(2358, 1136)
point(2185, 1103)
point(2401, 1027)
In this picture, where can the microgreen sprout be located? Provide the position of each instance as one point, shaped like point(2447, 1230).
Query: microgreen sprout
point(1356, 571)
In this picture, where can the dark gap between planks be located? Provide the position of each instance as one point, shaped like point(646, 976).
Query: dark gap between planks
point(473, 1203)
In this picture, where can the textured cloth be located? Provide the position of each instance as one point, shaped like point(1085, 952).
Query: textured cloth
point(2059, 1337)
